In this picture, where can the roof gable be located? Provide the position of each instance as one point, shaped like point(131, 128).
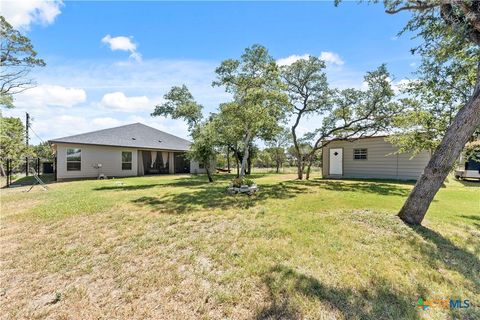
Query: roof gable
point(136, 135)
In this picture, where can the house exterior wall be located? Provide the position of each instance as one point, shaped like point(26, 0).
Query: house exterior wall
point(91, 155)
point(381, 162)
point(195, 167)
point(109, 157)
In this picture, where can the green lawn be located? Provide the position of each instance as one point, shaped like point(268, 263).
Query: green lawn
point(176, 247)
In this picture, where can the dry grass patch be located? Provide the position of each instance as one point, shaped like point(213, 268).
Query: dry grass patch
point(180, 248)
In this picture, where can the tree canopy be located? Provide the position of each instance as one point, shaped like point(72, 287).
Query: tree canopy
point(348, 113)
point(448, 77)
point(12, 137)
point(307, 87)
point(258, 105)
point(17, 58)
point(180, 104)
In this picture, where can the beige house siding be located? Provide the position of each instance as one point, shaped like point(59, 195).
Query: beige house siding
point(109, 157)
point(381, 162)
point(195, 167)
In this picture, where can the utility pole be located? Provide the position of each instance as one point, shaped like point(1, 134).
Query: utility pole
point(27, 126)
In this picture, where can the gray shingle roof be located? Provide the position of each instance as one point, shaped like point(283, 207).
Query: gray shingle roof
point(136, 135)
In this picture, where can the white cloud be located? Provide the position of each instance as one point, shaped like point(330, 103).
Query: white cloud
point(60, 126)
point(119, 101)
point(399, 85)
point(50, 95)
point(331, 57)
point(149, 80)
point(123, 43)
point(119, 43)
point(22, 13)
point(107, 122)
point(327, 56)
point(291, 59)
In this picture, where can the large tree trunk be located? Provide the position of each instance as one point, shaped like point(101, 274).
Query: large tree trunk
point(2, 170)
point(309, 165)
point(249, 164)
point(246, 153)
point(228, 160)
point(299, 167)
point(238, 166)
point(278, 167)
point(209, 174)
point(464, 125)
point(244, 163)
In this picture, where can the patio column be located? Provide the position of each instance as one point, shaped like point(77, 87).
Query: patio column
point(171, 163)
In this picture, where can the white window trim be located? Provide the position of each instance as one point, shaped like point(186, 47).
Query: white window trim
point(360, 154)
point(74, 161)
point(131, 161)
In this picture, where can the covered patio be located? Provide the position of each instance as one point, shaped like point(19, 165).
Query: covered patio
point(162, 162)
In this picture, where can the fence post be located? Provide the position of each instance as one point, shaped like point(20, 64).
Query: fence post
point(8, 172)
point(55, 168)
point(26, 166)
point(38, 166)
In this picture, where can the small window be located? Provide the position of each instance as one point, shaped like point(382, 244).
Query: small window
point(74, 159)
point(127, 160)
point(359, 154)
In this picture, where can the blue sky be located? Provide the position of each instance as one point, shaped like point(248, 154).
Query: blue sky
point(109, 63)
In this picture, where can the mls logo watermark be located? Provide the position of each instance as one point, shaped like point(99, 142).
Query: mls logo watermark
point(443, 303)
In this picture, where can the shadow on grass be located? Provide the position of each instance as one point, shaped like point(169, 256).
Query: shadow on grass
point(215, 196)
point(30, 180)
point(380, 302)
point(470, 182)
point(192, 181)
point(475, 220)
point(450, 256)
point(367, 186)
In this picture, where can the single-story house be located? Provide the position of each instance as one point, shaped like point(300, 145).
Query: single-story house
point(130, 150)
point(370, 158)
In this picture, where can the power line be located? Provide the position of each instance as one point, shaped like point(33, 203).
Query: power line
point(36, 135)
point(29, 126)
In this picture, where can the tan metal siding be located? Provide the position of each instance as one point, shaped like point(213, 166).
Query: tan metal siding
point(381, 161)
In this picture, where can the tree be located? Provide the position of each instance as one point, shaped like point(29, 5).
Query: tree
point(264, 159)
point(43, 151)
point(433, 99)
point(17, 58)
point(307, 88)
point(203, 147)
point(180, 104)
point(451, 36)
point(259, 104)
point(276, 147)
point(347, 114)
point(12, 138)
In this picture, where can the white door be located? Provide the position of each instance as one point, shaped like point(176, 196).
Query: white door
point(336, 161)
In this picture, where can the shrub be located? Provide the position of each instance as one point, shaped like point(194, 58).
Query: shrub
point(238, 182)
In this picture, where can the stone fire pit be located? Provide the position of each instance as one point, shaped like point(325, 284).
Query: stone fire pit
point(243, 189)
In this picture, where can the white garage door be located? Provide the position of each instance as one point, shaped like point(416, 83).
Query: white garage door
point(336, 161)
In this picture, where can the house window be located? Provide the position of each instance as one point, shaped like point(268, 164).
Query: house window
point(127, 160)
point(74, 159)
point(359, 154)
